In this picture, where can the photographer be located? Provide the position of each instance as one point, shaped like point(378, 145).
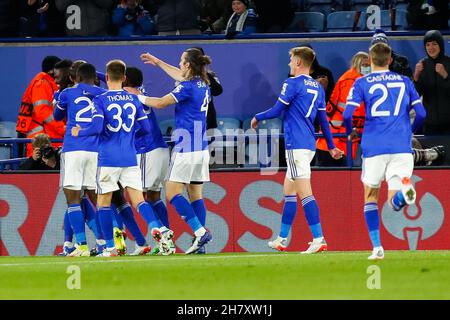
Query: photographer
point(132, 19)
point(44, 156)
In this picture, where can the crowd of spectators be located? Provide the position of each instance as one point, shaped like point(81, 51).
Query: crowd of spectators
point(127, 18)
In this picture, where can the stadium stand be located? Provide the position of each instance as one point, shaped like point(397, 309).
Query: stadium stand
point(7, 130)
point(307, 22)
point(342, 21)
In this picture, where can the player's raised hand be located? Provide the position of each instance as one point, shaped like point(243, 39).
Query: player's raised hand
point(254, 123)
point(148, 58)
point(75, 130)
point(336, 153)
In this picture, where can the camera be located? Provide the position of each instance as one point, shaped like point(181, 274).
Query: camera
point(47, 151)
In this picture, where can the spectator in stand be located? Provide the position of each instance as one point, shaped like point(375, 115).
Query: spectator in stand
point(44, 156)
point(335, 108)
point(86, 17)
point(428, 14)
point(178, 17)
point(431, 79)
point(399, 64)
point(273, 16)
point(213, 14)
point(242, 21)
point(132, 19)
point(40, 18)
point(9, 18)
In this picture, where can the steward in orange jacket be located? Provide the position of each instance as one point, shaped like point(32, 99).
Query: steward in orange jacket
point(336, 107)
point(36, 111)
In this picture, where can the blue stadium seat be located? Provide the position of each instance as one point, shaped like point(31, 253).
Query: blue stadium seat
point(401, 6)
point(167, 126)
point(227, 123)
point(8, 129)
point(400, 19)
point(361, 5)
point(322, 6)
point(341, 21)
point(307, 22)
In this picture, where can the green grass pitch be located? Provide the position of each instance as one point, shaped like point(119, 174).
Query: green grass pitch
point(331, 275)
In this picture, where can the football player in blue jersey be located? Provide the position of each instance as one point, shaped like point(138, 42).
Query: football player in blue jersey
point(116, 114)
point(152, 155)
point(190, 157)
point(302, 99)
point(79, 156)
point(386, 139)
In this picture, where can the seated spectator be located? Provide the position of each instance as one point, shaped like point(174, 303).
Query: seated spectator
point(86, 17)
point(399, 64)
point(432, 82)
point(212, 13)
point(428, 14)
point(242, 21)
point(132, 20)
point(44, 157)
point(40, 18)
point(335, 108)
point(178, 17)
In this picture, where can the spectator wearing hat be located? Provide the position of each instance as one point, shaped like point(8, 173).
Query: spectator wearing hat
point(242, 20)
point(399, 64)
point(431, 79)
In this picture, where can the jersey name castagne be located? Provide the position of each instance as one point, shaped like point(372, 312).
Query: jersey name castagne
point(388, 98)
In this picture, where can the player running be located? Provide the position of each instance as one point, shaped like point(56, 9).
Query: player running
point(302, 99)
point(190, 157)
point(386, 139)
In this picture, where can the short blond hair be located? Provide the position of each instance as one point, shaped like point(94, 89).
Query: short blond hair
point(115, 69)
point(307, 55)
point(380, 54)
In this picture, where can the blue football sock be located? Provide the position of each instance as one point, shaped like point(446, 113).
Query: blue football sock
point(105, 215)
point(289, 211)
point(68, 231)
point(160, 210)
point(186, 212)
point(127, 215)
point(99, 227)
point(115, 220)
point(149, 216)
point(398, 201)
point(76, 218)
point(89, 214)
point(312, 216)
point(373, 223)
point(200, 210)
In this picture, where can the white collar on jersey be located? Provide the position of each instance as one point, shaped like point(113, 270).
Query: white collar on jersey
point(380, 71)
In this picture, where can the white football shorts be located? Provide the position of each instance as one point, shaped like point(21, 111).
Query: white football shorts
point(78, 170)
point(109, 177)
point(299, 163)
point(389, 167)
point(154, 165)
point(187, 167)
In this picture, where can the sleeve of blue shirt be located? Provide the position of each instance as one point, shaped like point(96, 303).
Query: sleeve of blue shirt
point(98, 118)
point(142, 120)
point(101, 76)
point(416, 103)
point(354, 99)
point(181, 92)
point(60, 111)
point(323, 121)
point(288, 92)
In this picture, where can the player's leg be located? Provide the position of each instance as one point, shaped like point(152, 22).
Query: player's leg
point(373, 173)
point(401, 191)
point(195, 192)
point(68, 237)
point(289, 212)
point(158, 206)
point(125, 211)
point(91, 218)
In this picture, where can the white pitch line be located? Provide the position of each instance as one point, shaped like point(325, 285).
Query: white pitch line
point(75, 261)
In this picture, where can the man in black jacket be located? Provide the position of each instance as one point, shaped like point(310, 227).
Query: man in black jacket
point(44, 156)
point(178, 17)
point(431, 79)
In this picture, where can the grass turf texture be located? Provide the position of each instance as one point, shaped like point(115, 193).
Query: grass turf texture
point(331, 275)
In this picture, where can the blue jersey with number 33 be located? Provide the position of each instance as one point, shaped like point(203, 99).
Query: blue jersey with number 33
point(121, 110)
point(388, 98)
point(192, 97)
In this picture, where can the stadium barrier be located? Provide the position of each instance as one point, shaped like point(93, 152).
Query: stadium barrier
point(243, 213)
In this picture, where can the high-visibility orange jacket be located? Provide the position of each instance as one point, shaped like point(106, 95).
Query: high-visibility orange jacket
point(37, 102)
point(335, 109)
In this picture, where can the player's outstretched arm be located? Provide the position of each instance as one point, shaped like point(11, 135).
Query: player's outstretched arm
point(271, 113)
point(158, 103)
point(93, 129)
point(172, 71)
point(420, 116)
